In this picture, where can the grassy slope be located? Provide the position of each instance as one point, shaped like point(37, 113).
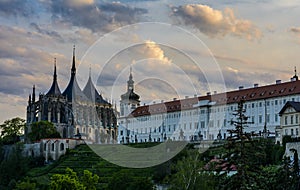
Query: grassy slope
point(83, 158)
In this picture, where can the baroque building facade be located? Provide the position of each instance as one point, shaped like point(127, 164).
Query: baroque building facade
point(208, 117)
point(74, 112)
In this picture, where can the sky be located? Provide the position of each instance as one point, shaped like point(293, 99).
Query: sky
point(174, 48)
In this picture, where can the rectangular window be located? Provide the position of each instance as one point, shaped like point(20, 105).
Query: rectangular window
point(268, 118)
point(286, 132)
point(276, 102)
point(253, 119)
point(297, 131)
point(296, 119)
point(260, 119)
point(292, 132)
point(285, 120)
point(184, 126)
point(121, 132)
point(174, 127)
point(196, 125)
point(276, 117)
point(202, 124)
point(224, 124)
point(211, 123)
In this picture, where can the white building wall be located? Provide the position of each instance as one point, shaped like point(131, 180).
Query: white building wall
point(210, 122)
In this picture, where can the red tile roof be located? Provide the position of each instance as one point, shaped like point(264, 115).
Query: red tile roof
point(249, 94)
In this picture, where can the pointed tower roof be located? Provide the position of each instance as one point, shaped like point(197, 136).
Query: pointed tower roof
point(130, 94)
point(91, 92)
point(295, 77)
point(73, 86)
point(54, 90)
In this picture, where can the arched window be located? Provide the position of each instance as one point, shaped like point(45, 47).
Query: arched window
point(52, 147)
point(62, 146)
point(45, 146)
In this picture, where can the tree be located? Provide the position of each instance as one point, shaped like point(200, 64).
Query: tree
point(66, 181)
point(89, 180)
point(70, 180)
point(190, 174)
point(13, 167)
point(42, 129)
point(12, 129)
point(242, 153)
point(26, 185)
point(126, 181)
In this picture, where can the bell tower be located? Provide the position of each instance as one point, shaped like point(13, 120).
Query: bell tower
point(130, 100)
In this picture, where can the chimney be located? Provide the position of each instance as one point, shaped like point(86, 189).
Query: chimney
point(186, 97)
point(255, 85)
point(195, 95)
point(208, 93)
point(162, 101)
point(278, 81)
point(241, 87)
point(215, 92)
point(174, 99)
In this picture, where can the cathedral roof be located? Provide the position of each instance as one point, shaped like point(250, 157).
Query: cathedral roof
point(54, 90)
point(73, 87)
point(92, 94)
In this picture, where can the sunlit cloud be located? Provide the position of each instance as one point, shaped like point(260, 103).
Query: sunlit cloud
point(215, 23)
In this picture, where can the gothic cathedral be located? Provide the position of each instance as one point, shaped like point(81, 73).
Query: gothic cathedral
point(74, 112)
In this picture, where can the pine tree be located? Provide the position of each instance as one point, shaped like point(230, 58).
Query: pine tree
point(242, 154)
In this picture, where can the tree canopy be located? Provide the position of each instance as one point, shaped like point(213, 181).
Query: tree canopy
point(70, 180)
point(12, 129)
point(42, 129)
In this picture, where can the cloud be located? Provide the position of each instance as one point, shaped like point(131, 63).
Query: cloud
point(23, 62)
point(151, 50)
point(295, 30)
point(47, 32)
point(15, 8)
point(234, 78)
point(215, 22)
point(95, 16)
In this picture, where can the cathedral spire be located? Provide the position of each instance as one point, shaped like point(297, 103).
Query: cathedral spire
point(54, 74)
point(33, 94)
point(29, 99)
point(54, 89)
point(73, 70)
point(90, 72)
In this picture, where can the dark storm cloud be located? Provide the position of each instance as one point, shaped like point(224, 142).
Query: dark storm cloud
point(97, 17)
point(15, 8)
